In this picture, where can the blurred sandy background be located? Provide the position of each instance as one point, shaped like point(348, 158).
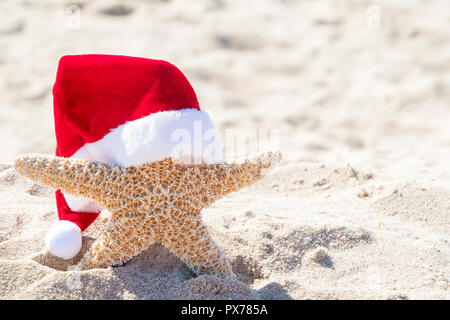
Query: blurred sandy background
point(359, 91)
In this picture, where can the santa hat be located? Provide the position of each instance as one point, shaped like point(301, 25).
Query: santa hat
point(125, 111)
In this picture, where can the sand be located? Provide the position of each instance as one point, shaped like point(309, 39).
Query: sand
point(358, 209)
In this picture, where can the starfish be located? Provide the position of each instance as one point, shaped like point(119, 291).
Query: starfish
point(158, 202)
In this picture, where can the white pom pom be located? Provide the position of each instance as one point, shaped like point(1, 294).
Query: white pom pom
point(63, 239)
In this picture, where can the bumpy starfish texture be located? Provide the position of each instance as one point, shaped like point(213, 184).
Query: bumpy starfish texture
point(156, 202)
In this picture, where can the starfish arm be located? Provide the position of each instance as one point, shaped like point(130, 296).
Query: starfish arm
point(122, 240)
point(192, 243)
point(221, 179)
point(77, 177)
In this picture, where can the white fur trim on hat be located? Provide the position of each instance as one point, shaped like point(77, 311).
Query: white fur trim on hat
point(186, 135)
point(64, 239)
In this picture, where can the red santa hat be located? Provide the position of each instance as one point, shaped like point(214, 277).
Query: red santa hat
point(125, 111)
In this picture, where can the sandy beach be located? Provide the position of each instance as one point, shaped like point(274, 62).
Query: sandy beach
point(359, 92)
